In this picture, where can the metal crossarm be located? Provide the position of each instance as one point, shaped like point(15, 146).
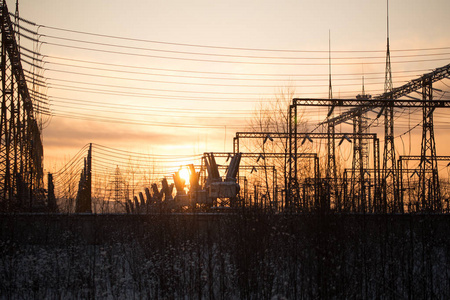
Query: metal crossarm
point(380, 101)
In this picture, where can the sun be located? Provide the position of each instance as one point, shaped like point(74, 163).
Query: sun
point(184, 174)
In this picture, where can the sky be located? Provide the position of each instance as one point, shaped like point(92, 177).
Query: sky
point(181, 77)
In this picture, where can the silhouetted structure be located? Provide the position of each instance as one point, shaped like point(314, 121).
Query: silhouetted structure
point(21, 151)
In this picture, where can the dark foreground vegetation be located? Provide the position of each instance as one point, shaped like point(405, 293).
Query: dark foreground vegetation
point(246, 256)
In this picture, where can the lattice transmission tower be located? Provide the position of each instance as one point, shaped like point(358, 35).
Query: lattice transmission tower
point(389, 170)
point(21, 151)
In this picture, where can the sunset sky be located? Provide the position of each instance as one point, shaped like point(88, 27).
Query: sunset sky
point(181, 77)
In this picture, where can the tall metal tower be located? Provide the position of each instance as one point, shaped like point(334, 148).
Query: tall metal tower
point(21, 151)
point(389, 171)
point(429, 188)
point(331, 174)
point(360, 163)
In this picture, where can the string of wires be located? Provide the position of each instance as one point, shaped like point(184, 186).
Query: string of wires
point(42, 37)
point(137, 170)
point(151, 86)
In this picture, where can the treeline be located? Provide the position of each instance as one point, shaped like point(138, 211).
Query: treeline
point(225, 256)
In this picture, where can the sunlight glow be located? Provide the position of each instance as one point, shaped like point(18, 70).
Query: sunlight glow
point(184, 174)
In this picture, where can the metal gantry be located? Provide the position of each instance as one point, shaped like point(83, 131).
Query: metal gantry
point(424, 187)
point(429, 190)
point(310, 188)
point(361, 106)
point(428, 175)
point(21, 151)
point(336, 201)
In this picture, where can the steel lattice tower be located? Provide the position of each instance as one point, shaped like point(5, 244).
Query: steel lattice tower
point(429, 189)
point(21, 152)
point(360, 163)
point(331, 174)
point(389, 172)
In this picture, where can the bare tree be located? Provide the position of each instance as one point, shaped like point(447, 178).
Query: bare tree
point(273, 117)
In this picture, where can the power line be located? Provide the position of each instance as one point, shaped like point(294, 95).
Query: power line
point(190, 77)
point(229, 48)
point(147, 108)
point(127, 152)
point(223, 73)
point(235, 62)
point(233, 55)
point(97, 118)
point(133, 94)
point(201, 84)
point(212, 98)
point(128, 113)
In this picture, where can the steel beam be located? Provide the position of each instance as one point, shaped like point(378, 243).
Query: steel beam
point(411, 86)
